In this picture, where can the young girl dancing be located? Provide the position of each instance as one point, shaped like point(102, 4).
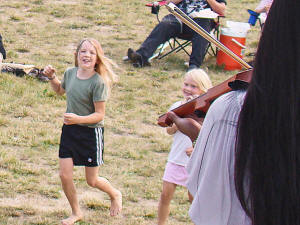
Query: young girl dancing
point(196, 82)
point(86, 86)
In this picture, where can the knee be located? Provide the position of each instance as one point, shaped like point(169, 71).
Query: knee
point(163, 26)
point(65, 176)
point(91, 182)
point(169, 21)
point(165, 197)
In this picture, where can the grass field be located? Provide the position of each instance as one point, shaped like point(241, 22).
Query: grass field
point(43, 32)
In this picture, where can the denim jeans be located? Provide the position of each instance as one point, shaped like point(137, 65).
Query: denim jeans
point(170, 27)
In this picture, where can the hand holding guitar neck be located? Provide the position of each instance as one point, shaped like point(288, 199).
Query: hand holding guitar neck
point(189, 126)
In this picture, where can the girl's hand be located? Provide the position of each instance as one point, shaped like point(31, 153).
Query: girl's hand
point(49, 71)
point(71, 118)
point(188, 98)
point(189, 151)
point(172, 129)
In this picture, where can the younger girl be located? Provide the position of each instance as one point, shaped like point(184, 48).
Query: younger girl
point(86, 86)
point(196, 82)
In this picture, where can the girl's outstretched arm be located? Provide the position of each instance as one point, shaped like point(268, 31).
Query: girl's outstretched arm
point(49, 72)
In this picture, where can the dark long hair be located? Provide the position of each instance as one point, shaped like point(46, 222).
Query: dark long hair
point(267, 164)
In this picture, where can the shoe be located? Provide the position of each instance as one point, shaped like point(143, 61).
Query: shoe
point(192, 67)
point(136, 58)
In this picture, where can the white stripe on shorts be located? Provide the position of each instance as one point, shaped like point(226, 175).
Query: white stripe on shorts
point(99, 145)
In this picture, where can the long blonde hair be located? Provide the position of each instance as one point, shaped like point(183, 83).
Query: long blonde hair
point(201, 78)
point(103, 65)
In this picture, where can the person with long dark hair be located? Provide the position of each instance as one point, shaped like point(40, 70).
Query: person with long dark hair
point(245, 166)
point(267, 165)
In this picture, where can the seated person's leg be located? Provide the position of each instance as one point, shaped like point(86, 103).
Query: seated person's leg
point(167, 28)
point(199, 44)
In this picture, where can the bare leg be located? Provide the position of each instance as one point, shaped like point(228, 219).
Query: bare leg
point(191, 198)
point(164, 203)
point(66, 176)
point(103, 184)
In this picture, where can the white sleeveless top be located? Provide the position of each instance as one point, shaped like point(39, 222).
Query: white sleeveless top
point(180, 143)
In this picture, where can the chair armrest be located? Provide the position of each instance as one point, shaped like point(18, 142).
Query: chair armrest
point(160, 3)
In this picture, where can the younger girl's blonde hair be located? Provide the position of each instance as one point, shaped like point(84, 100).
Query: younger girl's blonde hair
point(201, 78)
point(103, 65)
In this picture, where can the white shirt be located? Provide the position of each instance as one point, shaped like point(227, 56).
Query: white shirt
point(211, 166)
point(180, 143)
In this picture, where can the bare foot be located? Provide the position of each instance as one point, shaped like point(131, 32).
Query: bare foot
point(71, 220)
point(116, 204)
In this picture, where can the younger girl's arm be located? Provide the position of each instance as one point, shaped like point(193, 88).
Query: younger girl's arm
point(97, 116)
point(49, 72)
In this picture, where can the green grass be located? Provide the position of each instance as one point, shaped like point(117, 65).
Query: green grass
point(43, 32)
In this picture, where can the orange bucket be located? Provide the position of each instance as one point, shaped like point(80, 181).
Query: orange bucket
point(235, 41)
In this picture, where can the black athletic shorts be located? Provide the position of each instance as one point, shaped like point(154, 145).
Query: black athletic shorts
point(84, 145)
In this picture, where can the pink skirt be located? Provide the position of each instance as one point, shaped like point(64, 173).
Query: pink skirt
point(175, 174)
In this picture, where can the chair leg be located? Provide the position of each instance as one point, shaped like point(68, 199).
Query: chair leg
point(182, 46)
point(216, 33)
point(161, 48)
point(175, 48)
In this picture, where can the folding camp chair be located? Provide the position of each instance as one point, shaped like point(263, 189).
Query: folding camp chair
point(180, 42)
